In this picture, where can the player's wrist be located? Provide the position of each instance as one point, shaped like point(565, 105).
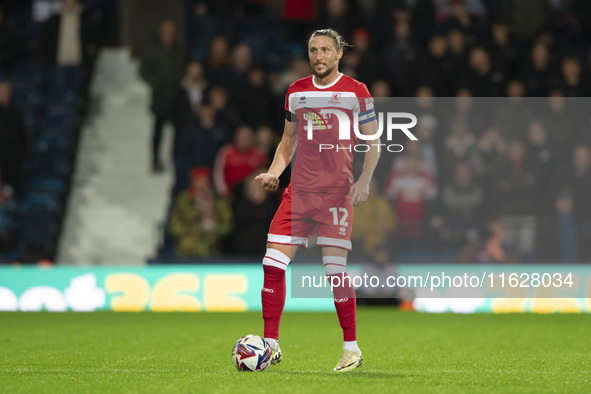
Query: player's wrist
point(364, 178)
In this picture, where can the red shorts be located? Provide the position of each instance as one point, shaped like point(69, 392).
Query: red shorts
point(302, 213)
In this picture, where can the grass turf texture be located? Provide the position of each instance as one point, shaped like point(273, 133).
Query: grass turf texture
point(404, 352)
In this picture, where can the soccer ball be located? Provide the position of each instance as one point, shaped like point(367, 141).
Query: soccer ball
point(251, 353)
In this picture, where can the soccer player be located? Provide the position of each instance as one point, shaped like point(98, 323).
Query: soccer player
point(321, 194)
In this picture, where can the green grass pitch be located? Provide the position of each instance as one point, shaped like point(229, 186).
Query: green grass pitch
point(191, 353)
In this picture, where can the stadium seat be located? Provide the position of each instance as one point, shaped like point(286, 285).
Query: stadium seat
point(66, 77)
point(26, 97)
point(31, 75)
point(40, 203)
point(53, 143)
point(63, 95)
point(55, 185)
point(48, 165)
point(59, 121)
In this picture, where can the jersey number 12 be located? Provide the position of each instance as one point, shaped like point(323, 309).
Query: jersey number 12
point(335, 216)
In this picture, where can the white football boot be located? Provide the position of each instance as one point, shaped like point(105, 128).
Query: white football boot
point(349, 361)
point(276, 356)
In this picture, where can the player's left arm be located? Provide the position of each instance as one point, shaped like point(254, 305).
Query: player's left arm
point(360, 190)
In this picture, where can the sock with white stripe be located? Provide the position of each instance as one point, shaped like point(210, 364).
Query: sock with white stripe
point(273, 292)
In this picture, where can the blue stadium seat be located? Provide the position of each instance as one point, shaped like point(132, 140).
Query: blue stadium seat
point(32, 120)
point(26, 97)
point(199, 52)
point(48, 165)
point(64, 95)
point(53, 143)
point(39, 231)
point(54, 185)
point(27, 75)
point(40, 204)
point(67, 77)
point(59, 121)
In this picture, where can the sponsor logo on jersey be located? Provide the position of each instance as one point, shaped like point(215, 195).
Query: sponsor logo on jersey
point(267, 290)
point(339, 300)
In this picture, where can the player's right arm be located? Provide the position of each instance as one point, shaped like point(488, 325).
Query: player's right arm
point(283, 155)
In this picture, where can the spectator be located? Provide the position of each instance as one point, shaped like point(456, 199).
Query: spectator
point(512, 116)
point(194, 83)
point(560, 122)
point(375, 221)
point(458, 48)
point(265, 141)
point(45, 9)
point(410, 188)
point(241, 65)
point(380, 88)
point(199, 219)
point(236, 161)
point(459, 146)
point(257, 102)
point(426, 134)
point(515, 193)
point(503, 51)
point(70, 37)
point(578, 179)
point(540, 151)
point(527, 18)
point(538, 76)
point(559, 238)
point(190, 95)
point(218, 66)
point(253, 209)
point(399, 55)
point(338, 16)
point(481, 77)
point(460, 206)
point(582, 11)
point(226, 115)
point(492, 147)
point(163, 66)
point(574, 83)
point(494, 248)
point(434, 67)
point(369, 66)
point(202, 138)
point(8, 45)
point(447, 9)
point(7, 233)
point(461, 18)
point(379, 265)
point(475, 113)
point(13, 140)
point(298, 69)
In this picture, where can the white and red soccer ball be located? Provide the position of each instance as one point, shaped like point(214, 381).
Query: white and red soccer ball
point(251, 353)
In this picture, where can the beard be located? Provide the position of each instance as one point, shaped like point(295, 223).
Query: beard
point(324, 74)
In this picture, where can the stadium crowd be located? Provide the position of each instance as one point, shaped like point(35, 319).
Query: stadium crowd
point(498, 180)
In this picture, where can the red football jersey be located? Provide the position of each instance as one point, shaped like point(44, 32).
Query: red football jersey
point(324, 157)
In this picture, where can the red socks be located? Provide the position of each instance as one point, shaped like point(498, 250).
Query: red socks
point(273, 291)
point(345, 304)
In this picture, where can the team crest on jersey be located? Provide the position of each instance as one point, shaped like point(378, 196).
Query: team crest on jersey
point(335, 99)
